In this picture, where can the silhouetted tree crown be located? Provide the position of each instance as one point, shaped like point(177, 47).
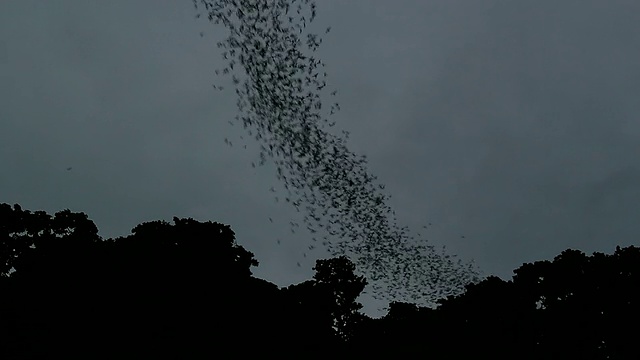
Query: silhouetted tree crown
point(185, 290)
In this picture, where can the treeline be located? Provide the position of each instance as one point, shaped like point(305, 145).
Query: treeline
point(185, 290)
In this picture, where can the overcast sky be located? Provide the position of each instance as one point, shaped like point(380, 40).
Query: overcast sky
point(511, 123)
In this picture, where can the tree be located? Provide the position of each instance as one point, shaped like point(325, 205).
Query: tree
point(337, 277)
point(588, 307)
point(165, 290)
point(201, 247)
point(573, 307)
point(326, 307)
point(26, 236)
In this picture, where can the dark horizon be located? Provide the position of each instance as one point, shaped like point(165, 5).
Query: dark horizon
point(185, 289)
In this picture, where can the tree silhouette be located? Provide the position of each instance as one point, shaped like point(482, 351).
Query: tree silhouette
point(574, 307)
point(26, 236)
point(185, 289)
point(326, 307)
point(589, 306)
point(167, 289)
point(337, 277)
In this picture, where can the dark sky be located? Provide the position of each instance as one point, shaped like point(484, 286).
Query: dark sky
point(511, 123)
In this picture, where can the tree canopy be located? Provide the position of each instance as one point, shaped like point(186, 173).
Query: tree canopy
point(185, 289)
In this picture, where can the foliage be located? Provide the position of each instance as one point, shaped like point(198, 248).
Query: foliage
point(185, 290)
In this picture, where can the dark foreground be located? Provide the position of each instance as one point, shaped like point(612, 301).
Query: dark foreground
point(185, 290)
